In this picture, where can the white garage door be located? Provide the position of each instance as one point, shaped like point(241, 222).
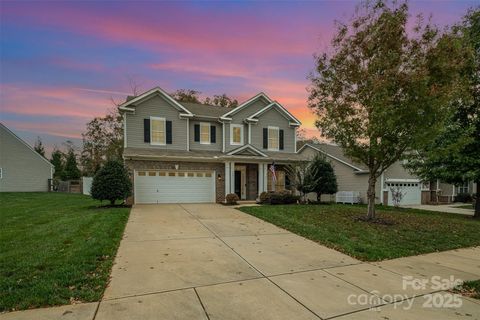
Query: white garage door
point(153, 186)
point(411, 192)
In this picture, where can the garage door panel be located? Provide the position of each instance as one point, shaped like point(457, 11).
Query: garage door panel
point(411, 192)
point(183, 187)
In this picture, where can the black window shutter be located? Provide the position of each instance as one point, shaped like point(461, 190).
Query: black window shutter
point(213, 134)
point(168, 125)
point(146, 130)
point(280, 137)
point(197, 133)
point(265, 138)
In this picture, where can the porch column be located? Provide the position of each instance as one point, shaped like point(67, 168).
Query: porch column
point(227, 178)
point(260, 178)
point(232, 177)
point(265, 177)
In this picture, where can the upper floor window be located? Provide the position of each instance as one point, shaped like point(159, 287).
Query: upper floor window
point(204, 133)
point(273, 138)
point(236, 134)
point(157, 130)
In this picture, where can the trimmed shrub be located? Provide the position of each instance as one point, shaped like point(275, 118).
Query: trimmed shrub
point(111, 183)
point(281, 197)
point(231, 198)
point(264, 197)
point(463, 197)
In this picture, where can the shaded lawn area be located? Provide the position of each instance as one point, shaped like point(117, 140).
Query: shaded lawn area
point(335, 225)
point(467, 206)
point(55, 248)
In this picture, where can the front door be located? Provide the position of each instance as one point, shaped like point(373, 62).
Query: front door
point(238, 183)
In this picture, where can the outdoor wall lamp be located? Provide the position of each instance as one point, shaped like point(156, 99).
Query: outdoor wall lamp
point(176, 167)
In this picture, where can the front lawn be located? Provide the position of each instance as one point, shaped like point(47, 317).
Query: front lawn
point(413, 231)
point(467, 206)
point(55, 248)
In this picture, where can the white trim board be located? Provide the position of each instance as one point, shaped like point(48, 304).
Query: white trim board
point(244, 104)
point(285, 112)
point(26, 144)
point(124, 106)
point(333, 157)
point(247, 146)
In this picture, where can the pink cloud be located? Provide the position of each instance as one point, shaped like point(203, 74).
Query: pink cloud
point(170, 32)
point(54, 101)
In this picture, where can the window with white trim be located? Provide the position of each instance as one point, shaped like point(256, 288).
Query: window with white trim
point(204, 133)
point(463, 188)
point(273, 138)
point(236, 134)
point(157, 130)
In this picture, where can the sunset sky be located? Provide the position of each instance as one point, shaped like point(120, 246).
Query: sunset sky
point(62, 61)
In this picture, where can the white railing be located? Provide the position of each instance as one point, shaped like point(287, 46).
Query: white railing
point(347, 197)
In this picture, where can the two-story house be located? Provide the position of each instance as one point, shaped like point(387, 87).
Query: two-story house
point(188, 152)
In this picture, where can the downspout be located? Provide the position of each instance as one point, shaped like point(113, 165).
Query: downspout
point(188, 134)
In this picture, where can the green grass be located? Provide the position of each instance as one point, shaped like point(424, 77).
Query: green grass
point(413, 232)
point(467, 206)
point(55, 248)
point(470, 289)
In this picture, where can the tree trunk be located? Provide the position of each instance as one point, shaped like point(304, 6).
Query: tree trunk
point(476, 215)
point(112, 202)
point(371, 196)
point(319, 197)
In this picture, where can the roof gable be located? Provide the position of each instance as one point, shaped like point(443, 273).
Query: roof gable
point(247, 150)
point(4, 128)
point(337, 156)
point(278, 107)
point(129, 105)
point(261, 95)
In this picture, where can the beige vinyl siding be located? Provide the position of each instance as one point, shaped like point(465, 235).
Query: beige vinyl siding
point(274, 118)
point(217, 146)
point(156, 106)
point(397, 171)
point(23, 170)
point(347, 180)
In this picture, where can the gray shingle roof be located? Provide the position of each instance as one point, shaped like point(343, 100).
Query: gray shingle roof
point(166, 154)
point(337, 152)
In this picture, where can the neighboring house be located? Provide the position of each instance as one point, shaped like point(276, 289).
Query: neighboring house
point(353, 176)
point(22, 169)
point(188, 152)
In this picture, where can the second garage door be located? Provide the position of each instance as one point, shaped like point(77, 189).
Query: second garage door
point(152, 186)
point(411, 192)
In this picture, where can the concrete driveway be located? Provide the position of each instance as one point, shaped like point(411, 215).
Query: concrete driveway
point(206, 261)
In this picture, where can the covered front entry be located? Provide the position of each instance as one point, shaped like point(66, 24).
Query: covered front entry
point(248, 180)
point(164, 186)
point(245, 181)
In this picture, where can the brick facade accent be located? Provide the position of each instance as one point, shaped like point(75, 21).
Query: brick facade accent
point(219, 169)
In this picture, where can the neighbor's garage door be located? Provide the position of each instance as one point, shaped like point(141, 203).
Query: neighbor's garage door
point(174, 187)
point(411, 192)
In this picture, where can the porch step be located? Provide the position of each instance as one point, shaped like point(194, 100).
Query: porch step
point(246, 201)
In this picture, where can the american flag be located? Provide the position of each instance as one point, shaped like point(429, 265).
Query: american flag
point(272, 169)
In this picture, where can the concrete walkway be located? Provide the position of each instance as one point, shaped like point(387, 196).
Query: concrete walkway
point(448, 208)
point(205, 261)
